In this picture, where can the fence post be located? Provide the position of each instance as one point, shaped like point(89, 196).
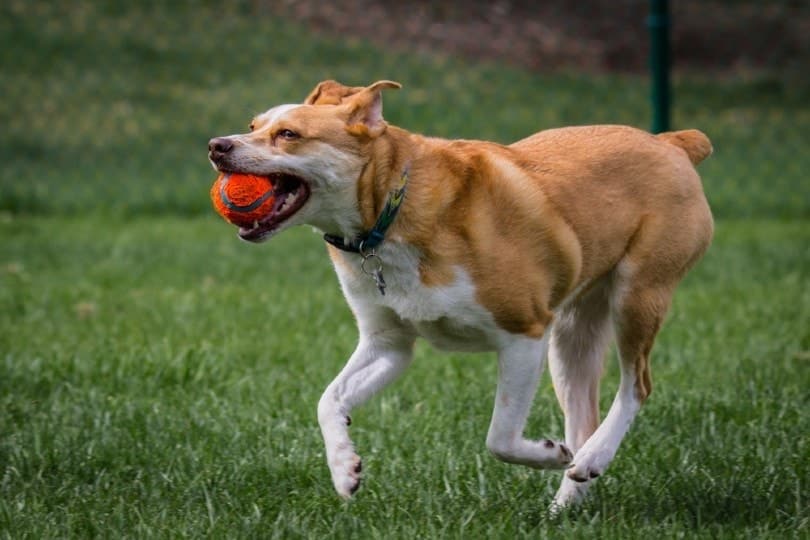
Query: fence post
point(658, 22)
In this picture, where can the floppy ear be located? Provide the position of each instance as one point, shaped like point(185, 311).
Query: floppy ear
point(330, 93)
point(365, 110)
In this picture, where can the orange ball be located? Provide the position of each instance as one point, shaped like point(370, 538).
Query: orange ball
point(242, 199)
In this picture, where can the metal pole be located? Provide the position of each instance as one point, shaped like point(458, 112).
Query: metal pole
point(658, 22)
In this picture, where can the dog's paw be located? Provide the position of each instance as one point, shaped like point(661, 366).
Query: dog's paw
point(556, 454)
point(587, 466)
point(550, 454)
point(569, 494)
point(543, 454)
point(346, 468)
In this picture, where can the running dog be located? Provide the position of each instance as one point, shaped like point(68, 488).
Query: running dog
point(543, 248)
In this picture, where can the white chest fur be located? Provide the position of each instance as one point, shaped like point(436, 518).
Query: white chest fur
point(448, 316)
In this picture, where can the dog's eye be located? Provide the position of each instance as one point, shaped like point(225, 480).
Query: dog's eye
point(252, 126)
point(287, 134)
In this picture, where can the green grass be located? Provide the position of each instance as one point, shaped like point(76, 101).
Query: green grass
point(158, 378)
point(109, 109)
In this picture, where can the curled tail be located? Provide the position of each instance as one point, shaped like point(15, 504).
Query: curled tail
point(696, 145)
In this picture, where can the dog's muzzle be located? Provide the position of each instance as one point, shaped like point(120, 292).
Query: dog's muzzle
point(218, 148)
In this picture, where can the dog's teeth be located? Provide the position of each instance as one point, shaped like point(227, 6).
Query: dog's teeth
point(288, 202)
point(255, 223)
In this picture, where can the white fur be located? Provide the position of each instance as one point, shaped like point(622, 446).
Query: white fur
point(579, 338)
point(381, 355)
point(449, 317)
point(593, 457)
point(520, 364)
point(272, 116)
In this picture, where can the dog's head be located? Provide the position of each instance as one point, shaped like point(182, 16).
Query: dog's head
point(314, 154)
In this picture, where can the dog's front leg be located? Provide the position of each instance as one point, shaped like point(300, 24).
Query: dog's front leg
point(520, 364)
point(379, 358)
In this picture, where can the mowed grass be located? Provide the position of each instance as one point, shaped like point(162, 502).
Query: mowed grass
point(158, 378)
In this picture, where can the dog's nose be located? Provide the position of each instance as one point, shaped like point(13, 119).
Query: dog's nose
point(219, 146)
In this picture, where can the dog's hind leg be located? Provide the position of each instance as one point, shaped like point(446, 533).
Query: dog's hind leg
point(520, 364)
point(638, 307)
point(579, 337)
point(382, 354)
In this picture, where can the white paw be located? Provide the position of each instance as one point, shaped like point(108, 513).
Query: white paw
point(544, 454)
point(588, 465)
point(554, 454)
point(569, 494)
point(346, 468)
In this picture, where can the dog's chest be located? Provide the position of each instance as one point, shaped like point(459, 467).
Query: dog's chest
point(448, 316)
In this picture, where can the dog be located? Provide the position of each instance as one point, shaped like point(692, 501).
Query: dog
point(536, 250)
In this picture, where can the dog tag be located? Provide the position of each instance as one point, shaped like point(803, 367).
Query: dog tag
point(372, 266)
point(378, 279)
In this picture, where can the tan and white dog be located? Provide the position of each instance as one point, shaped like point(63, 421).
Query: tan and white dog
point(534, 249)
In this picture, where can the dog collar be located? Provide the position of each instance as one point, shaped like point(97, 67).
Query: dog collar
point(367, 242)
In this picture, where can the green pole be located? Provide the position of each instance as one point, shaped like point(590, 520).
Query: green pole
point(658, 22)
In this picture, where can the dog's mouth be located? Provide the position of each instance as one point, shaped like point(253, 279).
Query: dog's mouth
point(291, 193)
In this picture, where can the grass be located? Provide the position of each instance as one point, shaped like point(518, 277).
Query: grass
point(161, 379)
point(158, 378)
point(125, 132)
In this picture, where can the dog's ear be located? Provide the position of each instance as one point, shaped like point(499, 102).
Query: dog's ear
point(331, 93)
point(365, 110)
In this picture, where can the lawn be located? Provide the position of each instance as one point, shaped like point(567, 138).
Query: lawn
point(158, 378)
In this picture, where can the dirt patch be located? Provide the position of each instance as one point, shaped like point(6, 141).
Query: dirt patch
point(591, 35)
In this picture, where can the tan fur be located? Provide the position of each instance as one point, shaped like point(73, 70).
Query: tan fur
point(592, 225)
point(696, 145)
point(551, 213)
point(532, 221)
point(554, 226)
point(330, 93)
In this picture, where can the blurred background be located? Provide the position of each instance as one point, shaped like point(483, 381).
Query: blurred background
point(107, 107)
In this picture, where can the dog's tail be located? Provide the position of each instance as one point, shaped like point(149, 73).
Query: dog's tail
point(695, 143)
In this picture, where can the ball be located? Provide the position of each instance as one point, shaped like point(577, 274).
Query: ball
point(242, 199)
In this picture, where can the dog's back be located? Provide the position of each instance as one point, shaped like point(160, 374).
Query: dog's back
point(610, 181)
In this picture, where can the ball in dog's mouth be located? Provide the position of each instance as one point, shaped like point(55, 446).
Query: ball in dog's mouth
point(291, 193)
